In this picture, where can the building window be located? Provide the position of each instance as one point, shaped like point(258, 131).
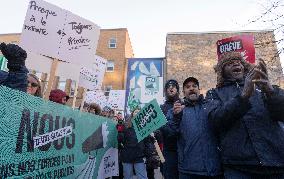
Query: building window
point(112, 43)
point(110, 66)
point(107, 89)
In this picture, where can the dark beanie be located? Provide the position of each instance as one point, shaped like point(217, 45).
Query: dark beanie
point(57, 95)
point(172, 83)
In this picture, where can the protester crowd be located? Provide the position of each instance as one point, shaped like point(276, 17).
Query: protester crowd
point(233, 133)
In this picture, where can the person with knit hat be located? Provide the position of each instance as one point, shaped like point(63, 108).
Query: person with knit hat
point(198, 156)
point(245, 111)
point(169, 143)
point(58, 96)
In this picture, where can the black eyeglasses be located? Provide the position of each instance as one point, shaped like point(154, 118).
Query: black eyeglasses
point(33, 84)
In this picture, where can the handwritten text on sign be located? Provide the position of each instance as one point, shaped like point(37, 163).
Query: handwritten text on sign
point(62, 34)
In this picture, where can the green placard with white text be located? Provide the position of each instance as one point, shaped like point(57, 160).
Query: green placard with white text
point(42, 139)
point(149, 119)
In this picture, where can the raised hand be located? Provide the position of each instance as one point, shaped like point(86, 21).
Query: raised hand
point(261, 80)
point(178, 107)
point(249, 85)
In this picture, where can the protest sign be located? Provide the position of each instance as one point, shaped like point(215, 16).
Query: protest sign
point(93, 78)
point(241, 43)
point(116, 99)
point(97, 97)
point(138, 91)
point(88, 79)
point(149, 119)
point(42, 139)
point(57, 33)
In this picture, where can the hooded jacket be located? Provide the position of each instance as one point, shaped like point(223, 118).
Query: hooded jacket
point(197, 144)
point(248, 129)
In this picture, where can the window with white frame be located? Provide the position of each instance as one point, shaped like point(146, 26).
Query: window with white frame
point(110, 66)
point(112, 43)
point(107, 89)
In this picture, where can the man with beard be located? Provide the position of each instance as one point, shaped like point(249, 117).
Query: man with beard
point(245, 111)
point(169, 167)
point(198, 157)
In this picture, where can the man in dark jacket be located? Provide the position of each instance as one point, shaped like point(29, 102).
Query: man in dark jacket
point(170, 166)
point(198, 156)
point(17, 76)
point(247, 119)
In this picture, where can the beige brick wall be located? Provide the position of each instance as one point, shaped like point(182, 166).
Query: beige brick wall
point(118, 54)
point(194, 54)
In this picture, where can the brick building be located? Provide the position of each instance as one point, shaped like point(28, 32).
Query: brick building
point(114, 45)
point(194, 54)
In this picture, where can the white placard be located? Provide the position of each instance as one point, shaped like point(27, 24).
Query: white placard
point(109, 164)
point(88, 79)
point(99, 67)
point(54, 32)
point(79, 44)
point(116, 99)
point(97, 97)
point(92, 79)
point(43, 64)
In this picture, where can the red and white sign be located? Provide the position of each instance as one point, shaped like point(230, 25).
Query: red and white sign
point(241, 43)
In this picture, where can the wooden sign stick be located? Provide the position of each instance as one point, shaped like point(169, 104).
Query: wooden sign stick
point(75, 95)
point(52, 73)
point(83, 100)
point(162, 159)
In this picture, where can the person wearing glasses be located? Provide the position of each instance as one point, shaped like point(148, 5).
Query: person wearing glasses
point(34, 87)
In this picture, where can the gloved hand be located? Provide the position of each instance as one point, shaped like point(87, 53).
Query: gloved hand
point(15, 55)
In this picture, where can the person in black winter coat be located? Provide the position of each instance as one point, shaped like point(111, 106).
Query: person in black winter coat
point(198, 156)
point(17, 76)
point(245, 111)
point(170, 166)
point(132, 153)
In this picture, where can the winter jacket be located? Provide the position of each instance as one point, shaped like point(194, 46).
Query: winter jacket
point(16, 79)
point(169, 141)
point(248, 130)
point(132, 151)
point(197, 144)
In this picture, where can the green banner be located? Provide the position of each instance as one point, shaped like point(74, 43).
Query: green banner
point(41, 139)
point(149, 119)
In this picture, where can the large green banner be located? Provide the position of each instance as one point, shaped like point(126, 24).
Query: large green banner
point(42, 140)
point(149, 119)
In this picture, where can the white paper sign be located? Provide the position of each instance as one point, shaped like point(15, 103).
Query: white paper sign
point(43, 64)
point(116, 99)
point(97, 97)
point(109, 164)
point(99, 67)
point(88, 79)
point(54, 32)
point(93, 78)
